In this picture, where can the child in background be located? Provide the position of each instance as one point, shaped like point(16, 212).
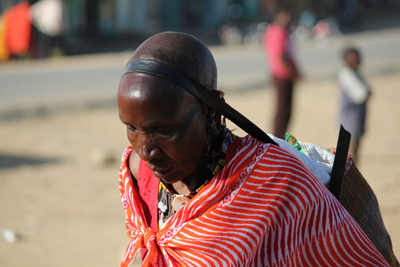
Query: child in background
point(353, 101)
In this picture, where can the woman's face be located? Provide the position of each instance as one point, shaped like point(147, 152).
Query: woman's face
point(166, 125)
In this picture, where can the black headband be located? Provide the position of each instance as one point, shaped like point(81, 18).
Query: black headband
point(200, 92)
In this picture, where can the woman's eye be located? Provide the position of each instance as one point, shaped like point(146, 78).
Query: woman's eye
point(131, 128)
point(165, 130)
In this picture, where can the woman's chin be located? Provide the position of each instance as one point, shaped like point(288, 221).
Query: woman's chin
point(162, 174)
point(170, 177)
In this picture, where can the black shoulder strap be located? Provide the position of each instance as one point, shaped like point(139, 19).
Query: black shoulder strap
point(339, 164)
point(200, 92)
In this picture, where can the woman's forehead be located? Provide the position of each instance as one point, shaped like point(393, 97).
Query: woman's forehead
point(143, 86)
point(153, 97)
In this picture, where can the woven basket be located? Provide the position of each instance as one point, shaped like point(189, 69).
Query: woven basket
point(360, 201)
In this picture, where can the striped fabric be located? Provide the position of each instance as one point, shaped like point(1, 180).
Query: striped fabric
point(263, 209)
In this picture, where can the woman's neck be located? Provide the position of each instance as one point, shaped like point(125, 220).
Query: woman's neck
point(202, 173)
point(193, 181)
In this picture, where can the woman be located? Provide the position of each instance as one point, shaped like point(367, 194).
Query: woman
point(195, 195)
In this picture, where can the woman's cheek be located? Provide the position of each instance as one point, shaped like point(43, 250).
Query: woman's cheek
point(132, 138)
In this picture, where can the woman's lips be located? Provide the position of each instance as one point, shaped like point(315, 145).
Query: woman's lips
point(160, 172)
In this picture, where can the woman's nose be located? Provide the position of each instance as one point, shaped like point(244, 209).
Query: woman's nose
point(147, 147)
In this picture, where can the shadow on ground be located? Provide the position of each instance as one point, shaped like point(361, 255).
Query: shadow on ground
point(13, 161)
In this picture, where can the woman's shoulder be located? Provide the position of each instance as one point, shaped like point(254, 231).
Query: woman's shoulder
point(242, 145)
point(282, 164)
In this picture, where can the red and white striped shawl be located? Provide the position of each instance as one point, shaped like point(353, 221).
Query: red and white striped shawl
point(265, 208)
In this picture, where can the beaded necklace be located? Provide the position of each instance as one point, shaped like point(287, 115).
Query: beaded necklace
point(170, 203)
point(190, 195)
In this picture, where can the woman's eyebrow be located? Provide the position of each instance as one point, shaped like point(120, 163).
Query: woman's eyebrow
point(152, 123)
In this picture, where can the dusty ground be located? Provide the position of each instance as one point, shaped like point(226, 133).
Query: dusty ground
point(64, 202)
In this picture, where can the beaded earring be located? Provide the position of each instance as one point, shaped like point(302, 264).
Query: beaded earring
point(210, 152)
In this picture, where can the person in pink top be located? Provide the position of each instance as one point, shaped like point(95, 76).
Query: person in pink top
point(279, 52)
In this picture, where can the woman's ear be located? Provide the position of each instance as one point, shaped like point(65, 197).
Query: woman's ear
point(215, 123)
point(218, 121)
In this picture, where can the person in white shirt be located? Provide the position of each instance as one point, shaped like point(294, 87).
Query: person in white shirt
point(355, 93)
point(49, 18)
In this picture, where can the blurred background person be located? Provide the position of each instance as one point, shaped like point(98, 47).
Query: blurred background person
point(355, 93)
point(279, 51)
point(18, 32)
point(50, 21)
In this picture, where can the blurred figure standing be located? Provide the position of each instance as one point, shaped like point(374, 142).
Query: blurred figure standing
point(279, 51)
point(50, 21)
point(353, 101)
point(17, 31)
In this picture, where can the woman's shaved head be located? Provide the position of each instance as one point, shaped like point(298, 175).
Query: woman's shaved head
point(167, 126)
point(183, 52)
